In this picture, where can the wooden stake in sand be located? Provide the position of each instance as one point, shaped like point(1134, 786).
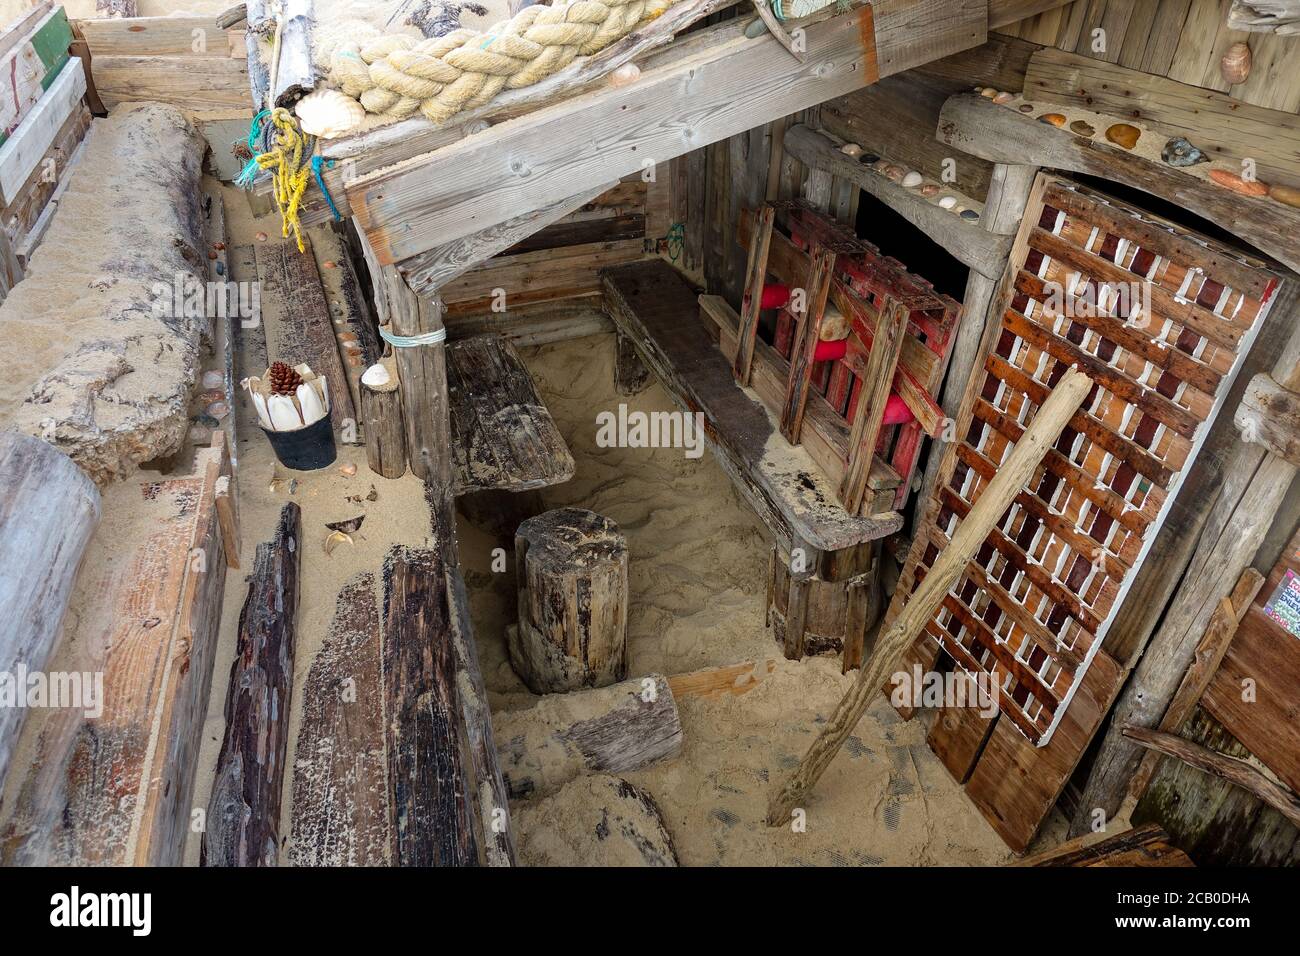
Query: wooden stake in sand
point(1064, 401)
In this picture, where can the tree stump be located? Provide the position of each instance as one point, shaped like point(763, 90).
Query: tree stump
point(385, 429)
point(571, 574)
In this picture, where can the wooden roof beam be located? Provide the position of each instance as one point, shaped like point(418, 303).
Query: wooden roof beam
point(729, 84)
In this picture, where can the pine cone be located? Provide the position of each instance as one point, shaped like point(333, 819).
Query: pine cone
point(284, 380)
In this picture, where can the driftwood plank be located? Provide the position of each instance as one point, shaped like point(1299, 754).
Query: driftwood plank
point(340, 784)
point(244, 809)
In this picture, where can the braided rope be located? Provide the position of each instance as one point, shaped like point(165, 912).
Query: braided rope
point(397, 74)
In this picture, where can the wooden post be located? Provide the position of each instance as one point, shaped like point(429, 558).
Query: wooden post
point(1046, 427)
point(422, 373)
point(385, 429)
point(755, 275)
point(808, 332)
point(571, 572)
point(630, 374)
point(48, 511)
point(867, 422)
point(243, 822)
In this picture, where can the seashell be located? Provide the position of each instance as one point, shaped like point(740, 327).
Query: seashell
point(351, 525)
point(1287, 195)
point(1123, 134)
point(329, 113)
point(931, 189)
point(851, 149)
point(284, 413)
point(217, 410)
point(334, 539)
point(1003, 98)
point(988, 92)
point(756, 29)
point(1052, 119)
point(347, 471)
point(313, 409)
point(895, 172)
point(1026, 107)
point(213, 378)
point(868, 159)
point(1238, 185)
point(970, 215)
point(376, 376)
point(1236, 63)
point(912, 179)
point(947, 202)
point(200, 434)
point(1082, 128)
point(263, 415)
point(261, 237)
point(1179, 152)
point(625, 75)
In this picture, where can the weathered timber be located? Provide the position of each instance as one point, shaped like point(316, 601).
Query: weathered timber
point(1046, 427)
point(1232, 769)
point(1269, 415)
point(433, 798)
point(877, 382)
point(571, 574)
point(969, 243)
point(293, 74)
point(631, 377)
point(384, 428)
point(445, 197)
point(243, 820)
point(614, 729)
point(49, 510)
point(977, 125)
point(340, 784)
point(652, 304)
point(755, 279)
point(606, 822)
point(502, 436)
point(1147, 845)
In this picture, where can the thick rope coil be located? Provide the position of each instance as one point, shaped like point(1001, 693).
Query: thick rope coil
point(396, 74)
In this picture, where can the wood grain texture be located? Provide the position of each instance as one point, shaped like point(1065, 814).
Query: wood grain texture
point(243, 820)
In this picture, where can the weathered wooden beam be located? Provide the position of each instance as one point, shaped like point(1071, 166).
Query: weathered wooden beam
point(970, 243)
point(1005, 12)
point(868, 422)
point(1269, 415)
point(977, 125)
point(243, 821)
point(1046, 427)
point(1238, 772)
point(430, 271)
point(734, 85)
point(48, 511)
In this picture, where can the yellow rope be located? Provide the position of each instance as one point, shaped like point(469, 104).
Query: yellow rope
point(291, 160)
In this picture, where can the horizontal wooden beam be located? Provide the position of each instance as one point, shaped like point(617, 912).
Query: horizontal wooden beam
point(160, 36)
point(727, 87)
point(1269, 415)
point(1005, 12)
point(975, 124)
point(968, 242)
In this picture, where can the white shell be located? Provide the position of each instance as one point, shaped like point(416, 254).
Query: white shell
point(313, 409)
point(329, 113)
point(263, 416)
point(851, 149)
point(376, 376)
point(912, 179)
point(283, 412)
point(947, 202)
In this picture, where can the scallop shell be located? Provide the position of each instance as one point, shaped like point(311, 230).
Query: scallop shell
point(1236, 63)
point(329, 113)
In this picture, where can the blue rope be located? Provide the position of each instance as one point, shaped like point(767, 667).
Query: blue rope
point(251, 169)
point(316, 162)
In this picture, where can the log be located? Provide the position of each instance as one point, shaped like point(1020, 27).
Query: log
point(613, 729)
point(571, 574)
point(1046, 427)
point(1269, 415)
point(433, 799)
point(340, 783)
point(1234, 770)
point(243, 822)
point(384, 428)
point(48, 511)
point(1147, 845)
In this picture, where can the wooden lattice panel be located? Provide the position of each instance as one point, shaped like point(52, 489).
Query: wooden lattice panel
point(1035, 602)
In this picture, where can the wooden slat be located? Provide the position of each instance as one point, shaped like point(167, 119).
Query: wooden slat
point(190, 82)
point(156, 36)
point(28, 143)
point(755, 279)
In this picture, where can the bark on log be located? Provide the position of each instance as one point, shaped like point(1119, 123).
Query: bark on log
point(630, 374)
point(48, 511)
point(613, 729)
point(381, 419)
point(243, 822)
point(1046, 427)
point(571, 575)
point(432, 796)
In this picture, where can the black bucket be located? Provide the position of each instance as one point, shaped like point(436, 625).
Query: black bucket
point(307, 448)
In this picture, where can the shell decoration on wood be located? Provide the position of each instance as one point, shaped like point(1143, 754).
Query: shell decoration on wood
point(1236, 63)
point(329, 113)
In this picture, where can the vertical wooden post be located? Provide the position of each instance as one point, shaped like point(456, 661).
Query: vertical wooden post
point(422, 370)
point(886, 346)
point(755, 274)
point(808, 332)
